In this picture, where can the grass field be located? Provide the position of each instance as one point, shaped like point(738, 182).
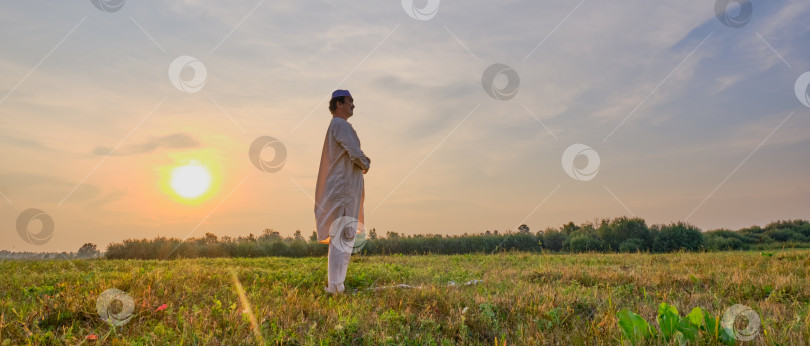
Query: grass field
point(520, 299)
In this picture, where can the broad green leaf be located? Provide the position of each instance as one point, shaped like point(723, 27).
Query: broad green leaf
point(664, 307)
point(668, 320)
point(711, 325)
point(633, 326)
point(727, 336)
point(626, 324)
point(687, 330)
point(696, 317)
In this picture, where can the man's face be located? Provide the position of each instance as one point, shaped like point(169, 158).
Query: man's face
point(347, 107)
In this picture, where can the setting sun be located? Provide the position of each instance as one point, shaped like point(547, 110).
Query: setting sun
point(190, 181)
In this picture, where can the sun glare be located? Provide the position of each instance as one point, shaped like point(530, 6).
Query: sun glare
point(190, 181)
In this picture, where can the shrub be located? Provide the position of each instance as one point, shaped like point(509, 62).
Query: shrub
point(678, 236)
point(780, 234)
point(805, 230)
point(582, 243)
point(632, 245)
point(614, 232)
point(793, 225)
point(723, 239)
point(554, 239)
point(715, 242)
point(786, 234)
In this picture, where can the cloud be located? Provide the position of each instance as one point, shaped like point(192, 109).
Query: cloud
point(40, 188)
point(173, 141)
point(23, 142)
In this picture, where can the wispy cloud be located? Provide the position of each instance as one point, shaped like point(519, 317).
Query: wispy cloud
point(23, 142)
point(173, 141)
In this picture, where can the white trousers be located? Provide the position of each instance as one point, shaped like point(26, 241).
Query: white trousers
point(338, 264)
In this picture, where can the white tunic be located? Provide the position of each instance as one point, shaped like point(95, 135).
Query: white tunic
point(339, 191)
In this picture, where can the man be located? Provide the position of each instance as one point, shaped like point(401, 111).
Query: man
point(339, 192)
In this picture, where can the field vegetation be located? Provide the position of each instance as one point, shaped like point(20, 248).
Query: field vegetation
point(487, 298)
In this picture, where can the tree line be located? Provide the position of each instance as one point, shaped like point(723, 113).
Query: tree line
point(622, 234)
point(88, 250)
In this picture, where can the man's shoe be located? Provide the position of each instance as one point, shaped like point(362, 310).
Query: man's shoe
point(335, 288)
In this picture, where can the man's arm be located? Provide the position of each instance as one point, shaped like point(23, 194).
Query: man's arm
point(347, 137)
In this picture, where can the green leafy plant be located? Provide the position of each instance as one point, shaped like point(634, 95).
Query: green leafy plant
point(634, 327)
point(673, 326)
point(710, 326)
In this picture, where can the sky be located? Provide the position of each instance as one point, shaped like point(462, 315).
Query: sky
point(477, 115)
